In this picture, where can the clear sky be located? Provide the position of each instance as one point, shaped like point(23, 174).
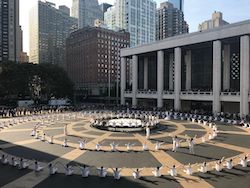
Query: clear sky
point(196, 11)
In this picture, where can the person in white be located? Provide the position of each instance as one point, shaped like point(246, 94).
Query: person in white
point(82, 144)
point(145, 147)
point(148, 133)
point(157, 171)
point(203, 168)
point(43, 137)
point(129, 146)
point(68, 170)
point(33, 133)
point(173, 171)
point(210, 136)
point(188, 169)
point(37, 167)
point(84, 171)
point(102, 172)
point(191, 145)
point(218, 165)
point(23, 164)
point(98, 146)
point(4, 159)
point(158, 145)
point(51, 140)
point(13, 162)
point(117, 173)
point(113, 146)
point(136, 173)
point(65, 142)
point(52, 169)
point(243, 161)
point(229, 164)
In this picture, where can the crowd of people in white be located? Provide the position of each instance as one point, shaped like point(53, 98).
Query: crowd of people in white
point(152, 117)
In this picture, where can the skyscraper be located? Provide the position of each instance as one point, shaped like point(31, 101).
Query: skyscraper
point(104, 7)
point(216, 21)
point(86, 11)
point(9, 30)
point(49, 28)
point(179, 4)
point(136, 17)
point(169, 21)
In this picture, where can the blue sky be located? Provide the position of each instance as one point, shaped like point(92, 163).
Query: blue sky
point(196, 11)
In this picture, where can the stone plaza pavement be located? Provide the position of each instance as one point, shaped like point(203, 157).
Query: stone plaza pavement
point(231, 142)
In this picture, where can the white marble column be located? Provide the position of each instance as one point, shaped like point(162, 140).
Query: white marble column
point(145, 73)
point(226, 67)
point(244, 75)
point(160, 80)
point(123, 79)
point(188, 62)
point(216, 76)
point(177, 78)
point(171, 67)
point(134, 79)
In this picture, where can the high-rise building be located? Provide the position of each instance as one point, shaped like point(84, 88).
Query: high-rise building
point(104, 7)
point(49, 28)
point(169, 21)
point(93, 59)
point(136, 17)
point(9, 30)
point(179, 4)
point(86, 11)
point(216, 21)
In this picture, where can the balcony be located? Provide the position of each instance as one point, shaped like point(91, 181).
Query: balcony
point(196, 95)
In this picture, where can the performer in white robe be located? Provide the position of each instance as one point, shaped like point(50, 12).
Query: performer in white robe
point(173, 171)
point(52, 169)
point(82, 144)
point(157, 171)
point(117, 173)
point(51, 140)
point(229, 164)
point(102, 172)
point(23, 164)
point(68, 170)
point(13, 162)
point(129, 146)
point(203, 168)
point(113, 146)
point(145, 147)
point(148, 133)
point(136, 173)
point(84, 171)
point(188, 169)
point(243, 161)
point(158, 145)
point(191, 145)
point(4, 159)
point(37, 167)
point(65, 143)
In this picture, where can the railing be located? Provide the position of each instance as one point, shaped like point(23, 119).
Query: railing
point(128, 92)
point(168, 92)
point(148, 92)
point(196, 93)
point(230, 93)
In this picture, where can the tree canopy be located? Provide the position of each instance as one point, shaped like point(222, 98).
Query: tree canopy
point(30, 81)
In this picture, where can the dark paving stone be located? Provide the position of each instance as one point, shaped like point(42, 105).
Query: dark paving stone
point(3, 142)
point(237, 140)
point(41, 151)
point(106, 142)
point(15, 136)
point(229, 128)
point(95, 133)
point(108, 182)
point(237, 177)
point(9, 174)
point(118, 159)
point(193, 133)
point(54, 132)
point(193, 126)
point(203, 152)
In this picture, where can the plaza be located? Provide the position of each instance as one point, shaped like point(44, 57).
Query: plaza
point(231, 143)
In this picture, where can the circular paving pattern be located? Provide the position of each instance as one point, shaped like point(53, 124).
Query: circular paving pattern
point(232, 142)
